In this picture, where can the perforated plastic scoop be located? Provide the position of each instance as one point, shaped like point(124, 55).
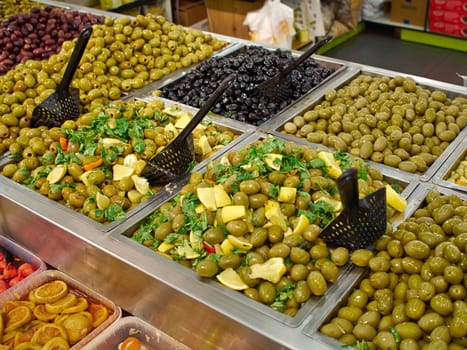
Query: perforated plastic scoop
point(361, 222)
point(175, 160)
point(64, 103)
point(278, 87)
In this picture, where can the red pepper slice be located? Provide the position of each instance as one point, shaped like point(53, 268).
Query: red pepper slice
point(209, 248)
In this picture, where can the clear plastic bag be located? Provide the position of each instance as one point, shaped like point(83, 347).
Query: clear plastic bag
point(273, 24)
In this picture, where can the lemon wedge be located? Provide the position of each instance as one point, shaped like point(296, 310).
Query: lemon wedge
point(226, 246)
point(233, 212)
point(121, 171)
point(273, 160)
point(195, 241)
point(170, 129)
point(221, 197)
point(239, 242)
point(230, 278)
point(141, 184)
point(183, 120)
point(207, 198)
point(187, 252)
point(302, 224)
point(204, 145)
point(102, 201)
point(271, 270)
point(273, 213)
point(287, 194)
point(165, 247)
point(334, 169)
point(109, 141)
point(337, 205)
point(394, 199)
point(56, 174)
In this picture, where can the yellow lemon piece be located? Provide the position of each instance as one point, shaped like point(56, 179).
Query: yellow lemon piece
point(204, 145)
point(226, 246)
point(233, 212)
point(302, 224)
point(56, 343)
point(57, 307)
point(134, 196)
point(207, 198)
point(102, 201)
point(27, 346)
point(273, 213)
point(183, 120)
point(187, 252)
point(81, 305)
point(195, 241)
point(77, 326)
point(231, 279)
point(287, 194)
point(170, 129)
point(17, 318)
point(121, 171)
point(25, 335)
point(334, 169)
point(394, 199)
point(56, 174)
point(42, 314)
point(222, 198)
point(84, 178)
point(141, 184)
point(239, 242)
point(271, 270)
point(165, 247)
point(49, 292)
point(273, 160)
point(130, 160)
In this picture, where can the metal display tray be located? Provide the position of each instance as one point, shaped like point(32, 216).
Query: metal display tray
point(69, 218)
point(338, 65)
point(238, 300)
point(450, 165)
point(328, 308)
point(354, 70)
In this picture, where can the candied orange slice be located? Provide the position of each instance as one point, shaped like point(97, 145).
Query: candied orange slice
point(28, 346)
point(49, 292)
point(56, 344)
point(77, 326)
point(48, 331)
point(17, 317)
point(42, 314)
point(81, 305)
point(68, 300)
point(11, 304)
point(99, 314)
point(27, 331)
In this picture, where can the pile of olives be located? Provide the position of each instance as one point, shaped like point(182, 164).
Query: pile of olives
point(414, 296)
point(39, 34)
point(242, 101)
point(388, 120)
point(199, 239)
point(121, 55)
point(106, 135)
point(13, 7)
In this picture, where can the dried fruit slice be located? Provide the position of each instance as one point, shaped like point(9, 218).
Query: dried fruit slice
point(81, 305)
point(48, 331)
point(42, 314)
point(17, 318)
point(27, 331)
point(28, 346)
point(77, 326)
point(68, 300)
point(49, 292)
point(99, 314)
point(56, 344)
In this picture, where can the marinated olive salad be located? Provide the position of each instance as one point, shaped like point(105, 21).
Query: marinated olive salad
point(242, 101)
point(122, 54)
point(414, 296)
point(253, 221)
point(93, 164)
point(459, 174)
point(388, 120)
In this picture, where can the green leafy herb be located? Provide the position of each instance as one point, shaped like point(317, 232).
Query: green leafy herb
point(359, 345)
point(282, 296)
point(396, 334)
point(345, 161)
point(114, 212)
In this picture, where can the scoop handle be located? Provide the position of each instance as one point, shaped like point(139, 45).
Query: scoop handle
point(206, 107)
point(76, 55)
point(305, 55)
point(347, 184)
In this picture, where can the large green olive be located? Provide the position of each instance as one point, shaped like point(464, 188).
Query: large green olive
point(302, 292)
point(318, 285)
point(229, 260)
point(214, 235)
point(299, 255)
point(237, 227)
point(442, 304)
point(279, 250)
point(207, 268)
point(267, 292)
point(298, 272)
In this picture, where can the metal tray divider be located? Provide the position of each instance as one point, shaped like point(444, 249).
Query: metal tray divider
point(450, 165)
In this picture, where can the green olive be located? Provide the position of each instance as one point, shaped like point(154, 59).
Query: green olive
point(163, 230)
point(318, 286)
point(302, 292)
point(267, 292)
point(249, 187)
point(214, 235)
point(207, 268)
point(237, 227)
point(229, 260)
point(430, 321)
point(442, 304)
point(279, 250)
point(299, 255)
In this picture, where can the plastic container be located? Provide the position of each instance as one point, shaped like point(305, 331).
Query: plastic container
point(149, 335)
point(78, 288)
point(24, 256)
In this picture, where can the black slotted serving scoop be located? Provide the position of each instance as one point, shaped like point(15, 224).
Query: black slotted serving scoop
point(64, 103)
point(278, 87)
point(361, 222)
point(175, 160)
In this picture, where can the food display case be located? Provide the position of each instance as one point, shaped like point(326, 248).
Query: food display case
point(197, 312)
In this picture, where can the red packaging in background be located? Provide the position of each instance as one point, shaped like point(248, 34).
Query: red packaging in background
point(449, 5)
point(448, 17)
